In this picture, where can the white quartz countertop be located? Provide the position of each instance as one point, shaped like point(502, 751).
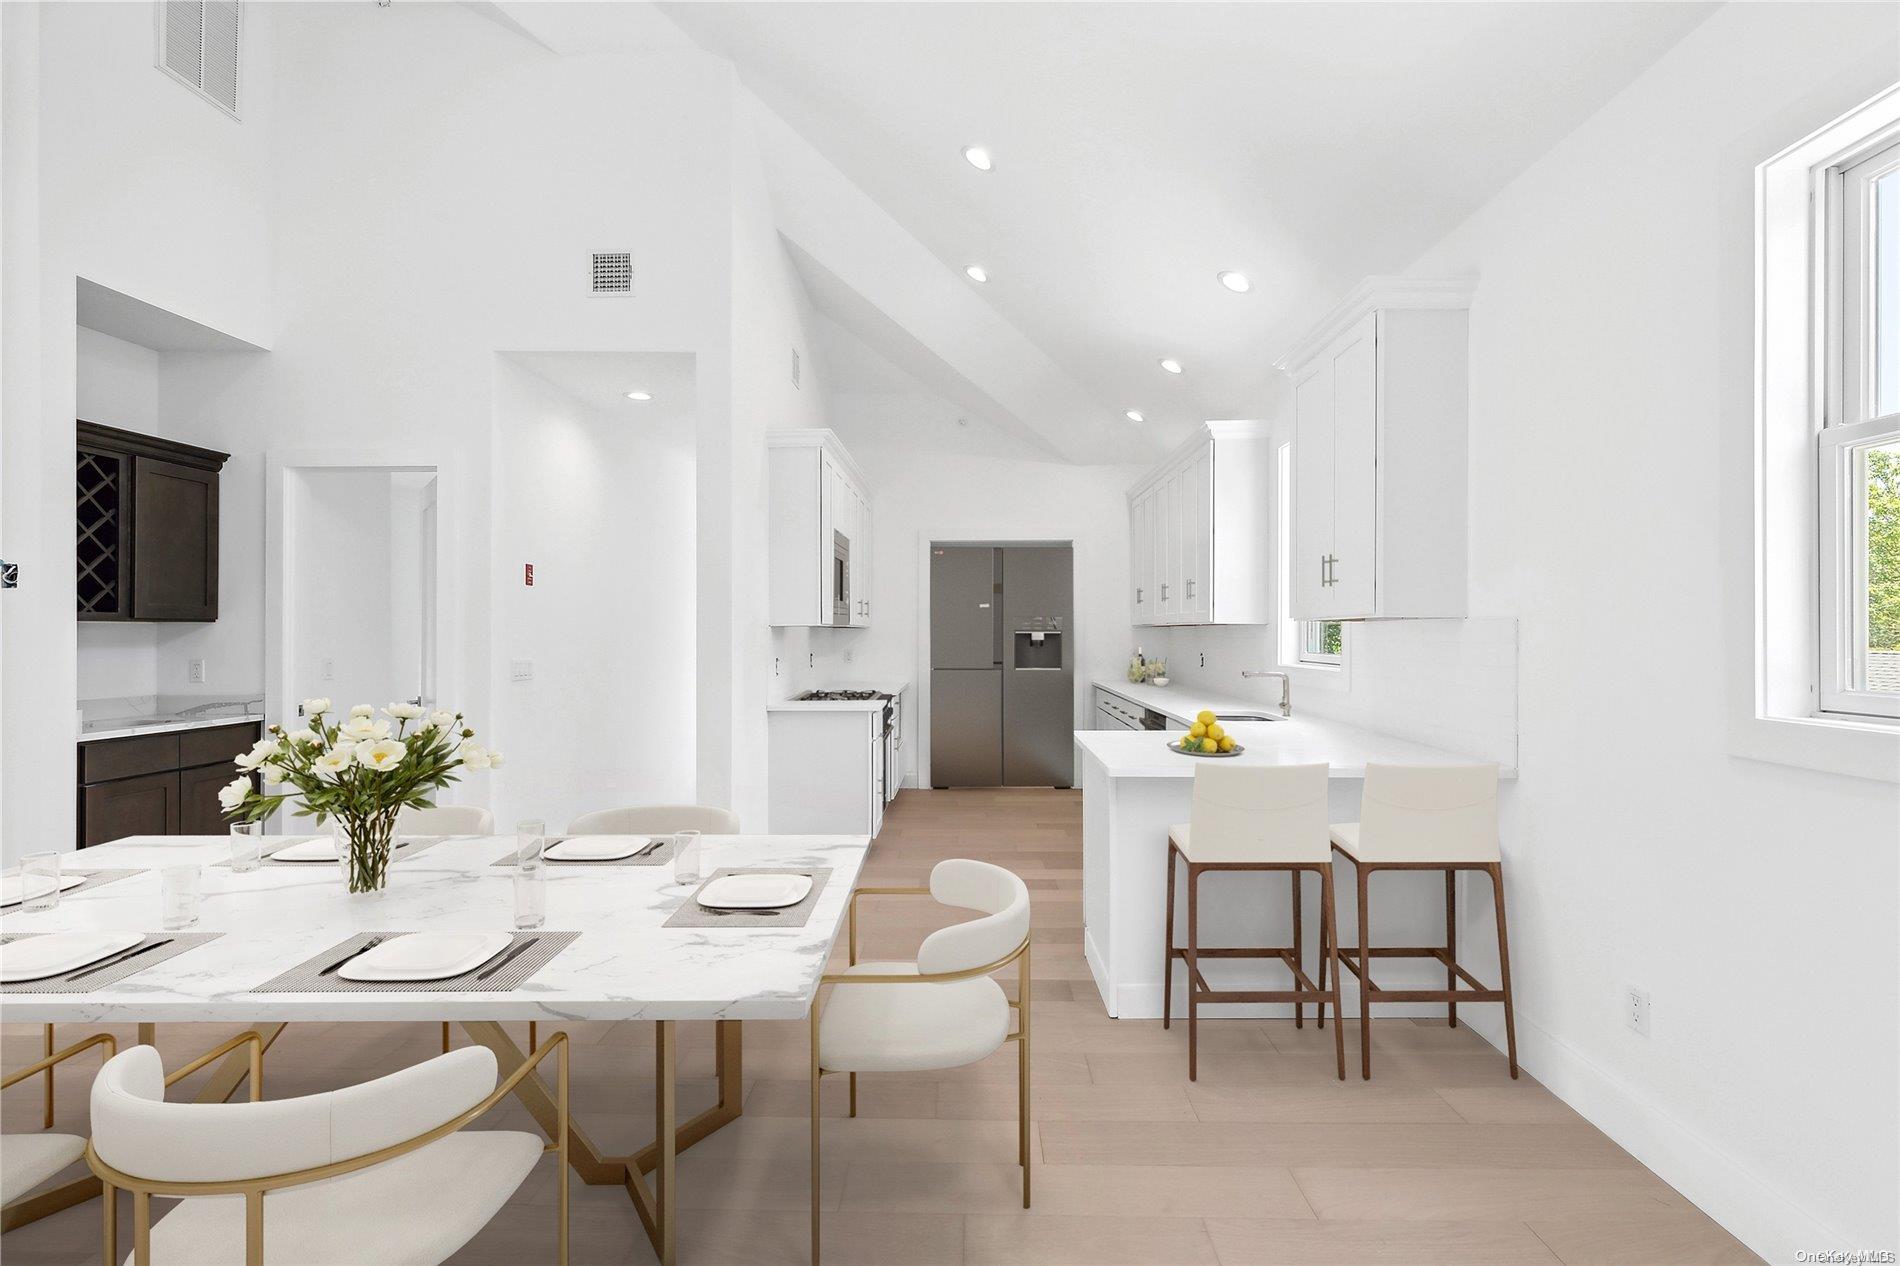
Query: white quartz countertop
point(624, 965)
point(1294, 741)
point(126, 727)
point(1180, 702)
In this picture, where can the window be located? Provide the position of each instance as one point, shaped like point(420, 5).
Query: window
point(1314, 643)
point(1858, 448)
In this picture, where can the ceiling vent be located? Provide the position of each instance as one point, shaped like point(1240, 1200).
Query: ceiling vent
point(199, 42)
point(613, 273)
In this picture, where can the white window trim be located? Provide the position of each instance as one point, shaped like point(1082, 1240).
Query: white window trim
point(1329, 672)
point(1774, 705)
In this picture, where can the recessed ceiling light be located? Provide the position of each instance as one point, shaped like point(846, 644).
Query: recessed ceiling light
point(1236, 282)
point(1170, 364)
point(1134, 415)
point(976, 272)
point(978, 157)
point(639, 395)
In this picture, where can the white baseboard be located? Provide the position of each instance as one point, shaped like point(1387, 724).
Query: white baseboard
point(1715, 1182)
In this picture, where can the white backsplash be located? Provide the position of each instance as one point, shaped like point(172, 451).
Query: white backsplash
point(1447, 683)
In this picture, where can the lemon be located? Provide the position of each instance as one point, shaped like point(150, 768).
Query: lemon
point(1197, 730)
point(1210, 745)
point(1215, 732)
point(1204, 717)
point(1227, 745)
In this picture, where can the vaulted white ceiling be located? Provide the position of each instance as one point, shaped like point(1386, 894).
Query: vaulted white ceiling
point(1142, 148)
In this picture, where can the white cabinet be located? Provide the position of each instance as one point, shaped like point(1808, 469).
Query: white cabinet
point(817, 495)
point(1379, 445)
point(1200, 529)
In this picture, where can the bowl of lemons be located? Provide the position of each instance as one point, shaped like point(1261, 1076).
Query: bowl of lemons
point(1206, 738)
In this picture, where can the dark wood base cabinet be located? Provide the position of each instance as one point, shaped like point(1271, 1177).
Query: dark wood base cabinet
point(158, 784)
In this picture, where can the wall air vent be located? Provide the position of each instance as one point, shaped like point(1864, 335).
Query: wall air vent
point(613, 273)
point(199, 45)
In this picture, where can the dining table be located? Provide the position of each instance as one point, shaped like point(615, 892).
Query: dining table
point(623, 963)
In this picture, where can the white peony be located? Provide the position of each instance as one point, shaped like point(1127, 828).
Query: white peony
point(232, 794)
point(441, 720)
point(494, 760)
point(365, 728)
point(331, 764)
point(380, 755)
point(315, 707)
point(273, 774)
point(403, 711)
point(474, 756)
point(305, 738)
point(362, 710)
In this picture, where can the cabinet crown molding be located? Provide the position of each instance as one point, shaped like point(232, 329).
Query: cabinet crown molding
point(1370, 295)
point(1226, 429)
point(134, 443)
point(825, 438)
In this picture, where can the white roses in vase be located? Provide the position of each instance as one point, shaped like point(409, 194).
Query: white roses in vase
point(361, 771)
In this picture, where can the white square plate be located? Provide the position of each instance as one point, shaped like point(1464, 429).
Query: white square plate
point(754, 892)
point(56, 953)
point(597, 848)
point(426, 956)
point(320, 849)
point(13, 888)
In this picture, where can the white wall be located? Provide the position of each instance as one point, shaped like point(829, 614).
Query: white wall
point(340, 523)
point(1611, 379)
point(604, 508)
point(116, 384)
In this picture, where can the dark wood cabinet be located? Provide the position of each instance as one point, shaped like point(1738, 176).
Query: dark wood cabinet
point(147, 511)
point(158, 784)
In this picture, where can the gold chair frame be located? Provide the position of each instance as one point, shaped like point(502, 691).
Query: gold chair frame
point(254, 1189)
point(33, 1208)
point(1020, 955)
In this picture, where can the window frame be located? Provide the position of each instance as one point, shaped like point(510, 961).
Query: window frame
point(1848, 427)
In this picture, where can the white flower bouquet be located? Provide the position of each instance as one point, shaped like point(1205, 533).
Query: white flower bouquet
point(361, 771)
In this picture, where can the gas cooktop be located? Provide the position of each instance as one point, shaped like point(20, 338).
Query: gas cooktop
point(841, 696)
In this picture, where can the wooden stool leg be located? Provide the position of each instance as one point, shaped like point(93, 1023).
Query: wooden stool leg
point(1193, 968)
point(1451, 945)
point(1167, 965)
point(1365, 977)
point(1299, 947)
point(1329, 949)
point(1504, 966)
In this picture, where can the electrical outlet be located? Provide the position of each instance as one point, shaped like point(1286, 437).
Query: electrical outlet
point(327, 670)
point(521, 670)
point(195, 671)
point(1636, 1009)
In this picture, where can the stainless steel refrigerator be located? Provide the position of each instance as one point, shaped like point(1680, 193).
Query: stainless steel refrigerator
point(1002, 671)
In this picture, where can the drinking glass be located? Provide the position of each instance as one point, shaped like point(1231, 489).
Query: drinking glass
point(247, 843)
point(531, 875)
point(39, 880)
point(685, 857)
point(178, 892)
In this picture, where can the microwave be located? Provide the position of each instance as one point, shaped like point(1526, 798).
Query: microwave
point(840, 578)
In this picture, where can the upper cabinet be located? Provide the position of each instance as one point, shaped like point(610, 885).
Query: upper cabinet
point(820, 532)
point(1379, 421)
point(147, 511)
point(1200, 530)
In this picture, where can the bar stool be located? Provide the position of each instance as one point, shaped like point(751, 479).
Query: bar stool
point(1426, 817)
point(1254, 818)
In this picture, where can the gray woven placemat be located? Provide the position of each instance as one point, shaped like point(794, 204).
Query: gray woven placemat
point(180, 942)
point(693, 915)
point(664, 853)
point(94, 879)
point(407, 846)
point(305, 977)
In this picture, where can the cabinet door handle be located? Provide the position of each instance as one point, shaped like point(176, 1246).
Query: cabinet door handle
point(1190, 591)
point(1322, 572)
point(1138, 595)
point(1164, 592)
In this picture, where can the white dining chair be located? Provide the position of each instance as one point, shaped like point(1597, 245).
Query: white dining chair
point(380, 1173)
point(657, 819)
point(942, 1010)
point(445, 819)
point(28, 1159)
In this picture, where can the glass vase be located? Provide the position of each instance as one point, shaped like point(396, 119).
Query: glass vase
point(363, 846)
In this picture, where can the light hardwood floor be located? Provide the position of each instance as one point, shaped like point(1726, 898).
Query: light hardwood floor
point(1267, 1160)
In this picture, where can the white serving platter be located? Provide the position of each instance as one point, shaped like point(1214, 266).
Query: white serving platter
point(426, 956)
point(56, 953)
point(14, 888)
point(597, 848)
point(754, 892)
point(320, 849)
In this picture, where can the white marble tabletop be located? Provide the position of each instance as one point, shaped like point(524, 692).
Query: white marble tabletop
point(623, 966)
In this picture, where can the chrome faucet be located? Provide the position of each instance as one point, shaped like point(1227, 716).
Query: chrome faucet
point(1286, 688)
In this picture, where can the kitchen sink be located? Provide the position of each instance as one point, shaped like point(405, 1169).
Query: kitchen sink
point(1245, 716)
